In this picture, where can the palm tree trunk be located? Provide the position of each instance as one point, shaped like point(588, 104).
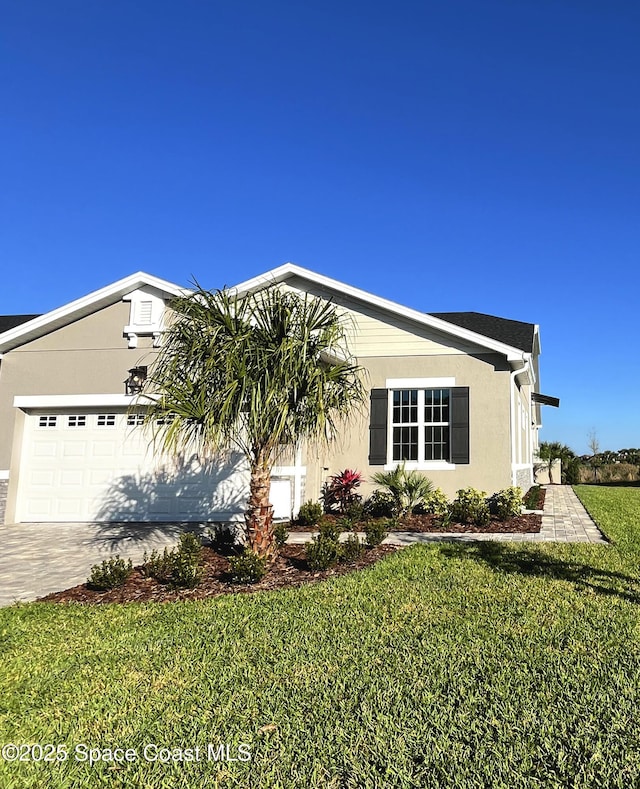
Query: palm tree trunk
point(259, 515)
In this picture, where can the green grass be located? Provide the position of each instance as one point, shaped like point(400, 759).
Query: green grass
point(458, 665)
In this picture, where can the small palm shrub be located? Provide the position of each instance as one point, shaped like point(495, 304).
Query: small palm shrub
point(248, 567)
point(470, 506)
point(281, 533)
point(407, 488)
point(506, 503)
point(339, 493)
point(375, 532)
point(434, 503)
point(310, 513)
point(351, 549)
point(323, 552)
point(109, 574)
point(379, 505)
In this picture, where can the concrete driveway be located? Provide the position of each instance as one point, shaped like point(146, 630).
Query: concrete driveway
point(38, 558)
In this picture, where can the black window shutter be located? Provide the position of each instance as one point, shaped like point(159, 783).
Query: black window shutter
point(460, 424)
point(378, 427)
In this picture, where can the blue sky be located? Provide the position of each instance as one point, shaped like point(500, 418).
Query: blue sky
point(455, 155)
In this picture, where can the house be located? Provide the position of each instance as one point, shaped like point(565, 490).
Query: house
point(451, 394)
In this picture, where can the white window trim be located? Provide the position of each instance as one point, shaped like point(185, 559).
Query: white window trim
point(414, 383)
point(420, 383)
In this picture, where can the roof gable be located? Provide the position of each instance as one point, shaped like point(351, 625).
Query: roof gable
point(38, 325)
point(332, 287)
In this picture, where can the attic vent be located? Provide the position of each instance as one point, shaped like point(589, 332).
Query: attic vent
point(145, 309)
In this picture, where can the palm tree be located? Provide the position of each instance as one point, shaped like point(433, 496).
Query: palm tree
point(407, 488)
point(258, 375)
point(550, 451)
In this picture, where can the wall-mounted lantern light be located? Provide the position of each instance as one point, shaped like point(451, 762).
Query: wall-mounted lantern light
point(134, 383)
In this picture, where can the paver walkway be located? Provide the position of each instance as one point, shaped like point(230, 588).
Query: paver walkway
point(37, 558)
point(564, 520)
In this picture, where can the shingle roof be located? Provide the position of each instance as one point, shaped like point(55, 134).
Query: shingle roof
point(11, 321)
point(515, 333)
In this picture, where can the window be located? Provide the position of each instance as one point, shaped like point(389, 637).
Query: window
point(106, 420)
point(77, 421)
point(135, 420)
point(423, 421)
point(420, 424)
point(47, 421)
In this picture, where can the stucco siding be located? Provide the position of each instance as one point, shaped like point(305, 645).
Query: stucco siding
point(89, 356)
point(490, 463)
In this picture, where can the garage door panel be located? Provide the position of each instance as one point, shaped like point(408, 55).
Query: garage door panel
point(45, 449)
point(74, 449)
point(90, 471)
point(103, 449)
point(70, 508)
point(41, 478)
point(72, 477)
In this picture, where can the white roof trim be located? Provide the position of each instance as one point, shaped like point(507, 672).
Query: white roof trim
point(85, 305)
point(74, 401)
point(288, 270)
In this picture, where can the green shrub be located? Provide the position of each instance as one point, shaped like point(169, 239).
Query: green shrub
point(507, 503)
point(323, 552)
point(329, 529)
point(310, 513)
point(281, 533)
point(532, 498)
point(110, 574)
point(223, 538)
point(434, 503)
point(351, 549)
point(180, 566)
point(248, 567)
point(379, 505)
point(158, 565)
point(375, 532)
point(186, 573)
point(355, 511)
point(345, 524)
point(571, 471)
point(470, 506)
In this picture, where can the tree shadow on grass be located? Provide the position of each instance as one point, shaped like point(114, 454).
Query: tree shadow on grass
point(531, 561)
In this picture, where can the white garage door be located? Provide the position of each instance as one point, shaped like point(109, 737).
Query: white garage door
point(90, 465)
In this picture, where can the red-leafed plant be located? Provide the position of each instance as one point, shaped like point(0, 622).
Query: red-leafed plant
point(339, 493)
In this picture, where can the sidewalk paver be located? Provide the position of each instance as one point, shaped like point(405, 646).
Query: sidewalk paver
point(38, 558)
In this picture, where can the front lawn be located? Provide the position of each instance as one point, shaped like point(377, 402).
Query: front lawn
point(455, 665)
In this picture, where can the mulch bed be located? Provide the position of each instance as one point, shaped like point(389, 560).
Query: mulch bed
point(289, 570)
point(425, 524)
point(430, 524)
